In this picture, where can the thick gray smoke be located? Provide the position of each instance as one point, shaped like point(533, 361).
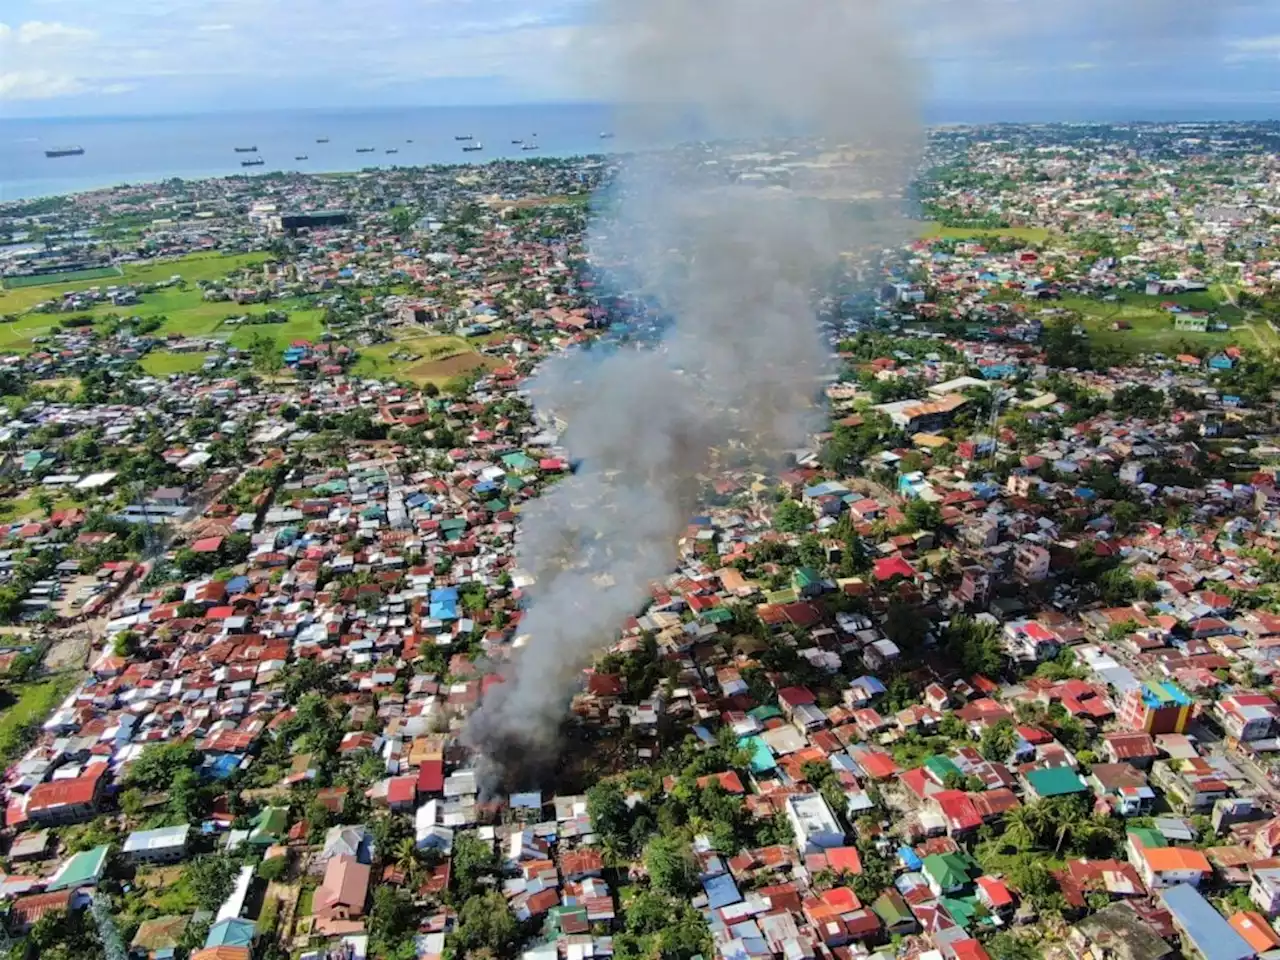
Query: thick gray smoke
point(730, 243)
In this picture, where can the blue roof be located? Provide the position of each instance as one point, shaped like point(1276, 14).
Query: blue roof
point(721, 891)
point(230, 933)
point(446, 610)
point(444, 594)
point(761, 756)
point(1207, 929)
point(1162, 693)
point(909, 858)
point(237, 585)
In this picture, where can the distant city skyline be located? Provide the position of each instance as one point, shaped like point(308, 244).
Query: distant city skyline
point(107, 57)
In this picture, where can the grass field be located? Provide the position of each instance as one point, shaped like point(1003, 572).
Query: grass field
point(161, 363)
point(1151, 327)
point(67, 276)
point(440, 358)
point(192, 269)
point(932, 230)
point(304, 324)
point(23, 706)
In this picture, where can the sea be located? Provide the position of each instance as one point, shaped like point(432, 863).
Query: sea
point(120, 150)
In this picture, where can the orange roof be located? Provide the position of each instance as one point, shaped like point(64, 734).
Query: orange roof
point(1176, 858)
point(1255, 930)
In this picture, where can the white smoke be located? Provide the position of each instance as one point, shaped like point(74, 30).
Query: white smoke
point(735, 262)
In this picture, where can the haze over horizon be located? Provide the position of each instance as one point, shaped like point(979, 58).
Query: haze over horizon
point(89, 58)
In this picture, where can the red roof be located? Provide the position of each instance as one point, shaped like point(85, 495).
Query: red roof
point(401, 790)
point(207, 545)
point(895, 566)
point(431, 777)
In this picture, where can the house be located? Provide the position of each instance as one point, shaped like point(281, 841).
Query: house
point(813, 824)
point(1116, 932)
point(947, 872)
point(67, 801)
point(342, 894)
point(1255, 930)
point(1202, 927)
point(1156, 708)
point(1055, 782)
point(1136, 749)
point(1162, 867)
point(164, 845)
point(80, 870)
point(1031, 562)
point(27, 911)
point(1124, 787)
point(1264, 890)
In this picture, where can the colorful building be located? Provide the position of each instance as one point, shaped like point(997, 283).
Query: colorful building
point(1159, 707)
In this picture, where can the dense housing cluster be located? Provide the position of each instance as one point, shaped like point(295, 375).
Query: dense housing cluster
point(987, 671)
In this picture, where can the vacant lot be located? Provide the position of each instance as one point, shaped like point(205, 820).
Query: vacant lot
point(435, 358)
point(1034, 235)
point(24, 706)
point(1151, 327)
point(161, 363)
point(191, 269)
point(67, 276)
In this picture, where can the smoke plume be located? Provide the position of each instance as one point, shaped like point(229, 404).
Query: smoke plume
point(730, 244)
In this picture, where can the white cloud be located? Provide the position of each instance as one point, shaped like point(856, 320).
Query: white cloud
point(40, 31)
point(38, 85)
point(214, 27)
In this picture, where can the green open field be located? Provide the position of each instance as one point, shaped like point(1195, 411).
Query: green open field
point(933, 230)
point(440, 359)
point(24, 705)
point(67, 276)
point(211, 266)
point(161, 363)
point(304, 324)
point(1152, 328)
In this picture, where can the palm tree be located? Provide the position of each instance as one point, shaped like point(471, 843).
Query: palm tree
point(406, 858)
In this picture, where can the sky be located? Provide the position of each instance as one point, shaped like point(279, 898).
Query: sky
point(121, 57)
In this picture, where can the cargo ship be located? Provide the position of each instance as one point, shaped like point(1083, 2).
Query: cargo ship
point(392, 150)
point(606, 136)
point(64, 152)
point(301, 156)
point(465, 136)
point(364, 149)
point(530, 146)
point(473, 148)
point(252, 163)
point(253, 149)
point(322, 139)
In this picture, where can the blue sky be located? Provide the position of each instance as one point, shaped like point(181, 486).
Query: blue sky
point(86, 57)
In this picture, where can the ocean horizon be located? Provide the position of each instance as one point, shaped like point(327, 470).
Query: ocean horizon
point(142, 149)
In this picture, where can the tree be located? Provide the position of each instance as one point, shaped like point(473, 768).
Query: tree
point(473, 859)
point(998, 740)
point(973, 645)
point(485, 923)
point(924, 515)
point(156, 768)
point(905, 625)
point(609, 814)
point(671, 866)
point(307, 675)
point(792, 517)
point(211, 879)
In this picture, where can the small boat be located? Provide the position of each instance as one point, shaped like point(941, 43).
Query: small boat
point(465, 136)
point(517, 142)
point(64, 152)
point(253, 149)
point(473, 148)
point(408, 141)
point(392, 150)
point(301, 156)
point(252, 163)
point(606, 136)
point(322, 139)
point(365, 149)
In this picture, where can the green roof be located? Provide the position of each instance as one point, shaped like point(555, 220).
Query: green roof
point(519, 461)
point(81, 870)
point(782, 596)
point(1148, 836)
point(962, 909)
point(805, 577)
point(718, 615)
point(948, 870)
point(892, 910)
point(766, 711)
point(269, 825)
point(941, 767)
point(1058, 782)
